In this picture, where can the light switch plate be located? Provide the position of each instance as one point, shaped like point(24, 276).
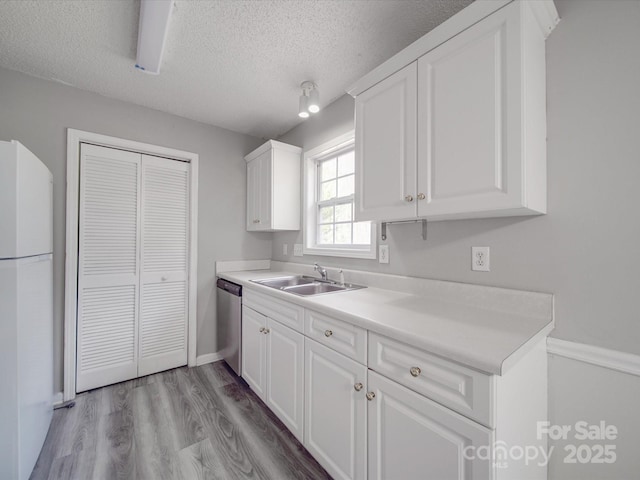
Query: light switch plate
point(297, 250)
point(480, 260)
point(383, 253)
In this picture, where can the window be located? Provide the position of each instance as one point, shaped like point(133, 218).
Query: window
point(330, 226)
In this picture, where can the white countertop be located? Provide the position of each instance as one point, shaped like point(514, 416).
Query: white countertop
point(486, 339)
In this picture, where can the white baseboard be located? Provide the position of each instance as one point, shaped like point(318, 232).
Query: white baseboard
point(602, 357)
point(57, 399)
point(208, 358)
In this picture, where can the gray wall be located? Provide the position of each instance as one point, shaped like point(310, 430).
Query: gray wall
point(37, 113)
point(585, 250)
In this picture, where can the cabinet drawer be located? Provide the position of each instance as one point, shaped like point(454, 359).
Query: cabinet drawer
point(288, 314)
point(461, 389)
point(336, 334)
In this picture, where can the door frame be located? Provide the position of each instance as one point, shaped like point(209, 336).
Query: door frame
point(74, 139)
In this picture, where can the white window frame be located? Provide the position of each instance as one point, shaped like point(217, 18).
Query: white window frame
point(310, 202)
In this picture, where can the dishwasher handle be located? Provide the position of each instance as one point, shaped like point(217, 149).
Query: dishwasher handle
point(230, 287)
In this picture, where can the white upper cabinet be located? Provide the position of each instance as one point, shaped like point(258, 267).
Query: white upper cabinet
point(258, 193)
point(469, 139)
point(385, 147)
point(273, 187)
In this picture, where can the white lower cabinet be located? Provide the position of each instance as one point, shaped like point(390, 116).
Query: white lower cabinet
point(254, 351)
point(273, 366)
point(412, 437)
point(285, 375)
point(407, 414)
point(335, 411)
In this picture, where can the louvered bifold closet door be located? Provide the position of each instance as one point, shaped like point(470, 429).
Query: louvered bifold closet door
point(165, 264)
point(108, 266)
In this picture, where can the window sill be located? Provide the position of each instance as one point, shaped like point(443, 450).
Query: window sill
point(343, 253)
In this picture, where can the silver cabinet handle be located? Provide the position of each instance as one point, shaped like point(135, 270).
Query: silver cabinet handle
point(262, 329)
point(371, 395)
point(415, 371)
point(328, 333)
point(409, 198)
point(421, 196)
point(358, 386)
point(256, 221)
point(266, 330)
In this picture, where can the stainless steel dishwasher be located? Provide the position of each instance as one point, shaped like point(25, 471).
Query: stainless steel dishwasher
point(229, 313)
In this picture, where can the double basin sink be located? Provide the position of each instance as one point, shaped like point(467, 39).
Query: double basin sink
point(306, 286)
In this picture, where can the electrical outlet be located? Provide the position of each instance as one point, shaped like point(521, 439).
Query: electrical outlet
point(285, 249)
point(297, 249)
point(480, 260)
point(383, 253)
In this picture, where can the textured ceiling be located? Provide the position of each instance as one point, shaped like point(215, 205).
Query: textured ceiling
point(232, 63)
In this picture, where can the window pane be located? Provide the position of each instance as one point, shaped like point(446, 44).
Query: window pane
point(362, 233)
point(328, 169)
point(346, 163)
point(326, 214)
point(343, 212)
point(343, 233)
point(325, 234)
point(345, 186)
point(328, 190)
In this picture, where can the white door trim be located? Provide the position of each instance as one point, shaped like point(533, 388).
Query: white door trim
point(74, 138)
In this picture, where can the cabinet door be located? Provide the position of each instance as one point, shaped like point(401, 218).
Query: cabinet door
point(385, 148)
point(285, 375)
point(469, 142)
point(412, 437)
point(253, 195)
point(254, 351)
point(164, 290)
point(335, 412)
point(108, 266)
point(259, 205)
point(265, 207)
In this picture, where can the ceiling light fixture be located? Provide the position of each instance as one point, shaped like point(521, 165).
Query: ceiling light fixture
point(309, 99)
point(303, 106)
point(152, 34)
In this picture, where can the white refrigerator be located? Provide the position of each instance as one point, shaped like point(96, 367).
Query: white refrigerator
point(26, 309)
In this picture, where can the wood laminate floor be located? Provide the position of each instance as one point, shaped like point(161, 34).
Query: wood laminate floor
point(187, 423)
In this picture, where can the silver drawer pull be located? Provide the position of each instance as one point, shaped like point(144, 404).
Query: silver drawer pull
point(266, 330)
point(358, 386)
point(415, 371)
point(328, 333)
point(371, 395)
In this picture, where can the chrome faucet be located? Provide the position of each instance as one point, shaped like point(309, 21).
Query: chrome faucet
point(321, 270)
